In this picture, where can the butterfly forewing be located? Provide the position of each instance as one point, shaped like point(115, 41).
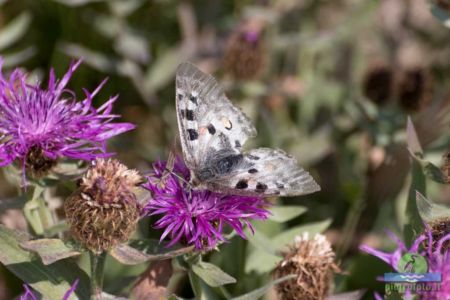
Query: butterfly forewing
point(207, 120)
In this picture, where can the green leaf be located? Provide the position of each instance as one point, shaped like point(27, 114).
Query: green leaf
point(412, 139)
point(261, 242)
point(202, 290)
point(265, 256)
point(96, 60)
point(212, 274)
point(256, 294)
point(432, 172)
point(140, 251)
point(287, 237)
point(12, 32)
point(163, 69)
point(51, 281)
point(413, 222)
point(285, 213)
point(50, 250)
point(16, 58)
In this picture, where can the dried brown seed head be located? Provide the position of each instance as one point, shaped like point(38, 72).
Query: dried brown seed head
point(104, 211)
point(313, 261)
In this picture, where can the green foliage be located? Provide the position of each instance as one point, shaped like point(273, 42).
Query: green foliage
point(52, 280)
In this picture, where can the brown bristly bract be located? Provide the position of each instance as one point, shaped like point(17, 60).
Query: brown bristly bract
point(37, 164)
point(104, 211)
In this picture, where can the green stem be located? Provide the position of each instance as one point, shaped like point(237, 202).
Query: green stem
point(97, 267)
point(195, 284)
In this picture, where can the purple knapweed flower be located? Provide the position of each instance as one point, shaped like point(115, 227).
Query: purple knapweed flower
point(29, 295)
point(437, 256)
point(39, 125)
point(197, 216)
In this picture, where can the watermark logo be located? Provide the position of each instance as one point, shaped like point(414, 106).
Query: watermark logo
point(412, 275)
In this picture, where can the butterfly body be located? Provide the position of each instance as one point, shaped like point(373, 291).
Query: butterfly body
point(213, 132)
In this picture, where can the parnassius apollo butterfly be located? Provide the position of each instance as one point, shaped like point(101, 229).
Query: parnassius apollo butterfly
point(213, 132)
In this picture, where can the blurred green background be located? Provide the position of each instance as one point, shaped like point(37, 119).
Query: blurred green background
point(330, 82)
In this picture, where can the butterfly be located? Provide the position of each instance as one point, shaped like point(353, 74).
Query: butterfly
point(213, 132)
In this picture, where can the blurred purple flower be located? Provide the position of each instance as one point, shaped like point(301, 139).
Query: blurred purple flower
point(197, 216)
point(50, 123)
point(28, 295)
point(437, 256)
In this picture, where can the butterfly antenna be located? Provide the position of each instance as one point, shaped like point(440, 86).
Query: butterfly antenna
point(179, 177)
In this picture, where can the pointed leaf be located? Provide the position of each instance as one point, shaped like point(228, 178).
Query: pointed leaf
point(16, 58)
point(412, 139)
point(212, 274)
point(433, 172)
point(287, 237)
point(52, 281)
point(12, 32)
point(285, 213)
point(261, 242)
point(258, 293)
point(50, 250)
point(140, 251)
point(413, 222)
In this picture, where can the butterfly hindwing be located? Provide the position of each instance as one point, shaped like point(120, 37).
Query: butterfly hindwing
point(207, 120)
point(268, 172)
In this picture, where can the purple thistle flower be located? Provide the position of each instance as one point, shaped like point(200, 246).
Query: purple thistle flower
point(29, 295)
point(438, 260)
point(40, 125)
point(197, 216)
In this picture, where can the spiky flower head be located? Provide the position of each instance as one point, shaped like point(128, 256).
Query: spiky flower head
point(245, 56)
point(104, 210)
point(39, 125)
point(197, 217)
point(433, 248)
point(312, 259)
point(378, 83)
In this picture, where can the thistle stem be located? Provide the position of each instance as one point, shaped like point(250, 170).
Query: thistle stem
point(97, 267)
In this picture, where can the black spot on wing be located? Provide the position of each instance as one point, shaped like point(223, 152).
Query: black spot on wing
point(237, 144)
point(253, 171)
point(253, 157)
point(193, 134)
point(180, 97)
point(193, 99)
point(261, 187)
point(211, 129)
point(280, 186)
point(242, 184)
point(183, 113)
point(190, 115)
